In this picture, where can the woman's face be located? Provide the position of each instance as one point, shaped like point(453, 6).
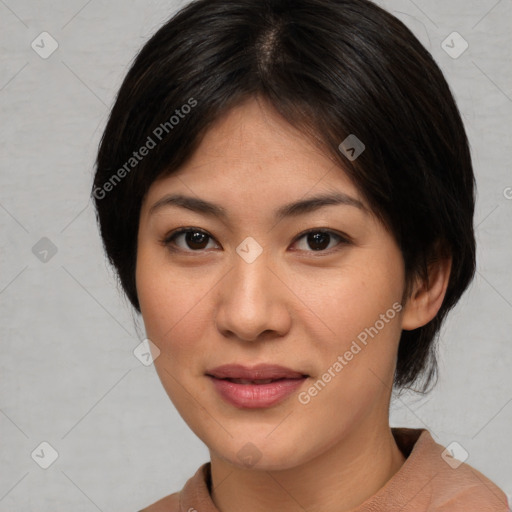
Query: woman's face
point(248, 287)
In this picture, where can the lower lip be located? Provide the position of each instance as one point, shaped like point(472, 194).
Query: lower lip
point(254, 396)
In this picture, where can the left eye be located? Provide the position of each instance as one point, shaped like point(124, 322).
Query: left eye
point(319, 240)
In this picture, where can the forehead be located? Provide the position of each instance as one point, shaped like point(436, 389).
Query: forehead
point(251, 154)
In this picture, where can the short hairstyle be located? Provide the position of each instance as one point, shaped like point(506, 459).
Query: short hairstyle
point(331, 68)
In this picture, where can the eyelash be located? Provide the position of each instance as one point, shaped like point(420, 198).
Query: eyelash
point(168, 240)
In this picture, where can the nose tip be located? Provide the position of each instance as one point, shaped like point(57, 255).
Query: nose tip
point(251, 304)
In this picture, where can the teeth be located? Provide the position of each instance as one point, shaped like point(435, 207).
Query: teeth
point(246, 381)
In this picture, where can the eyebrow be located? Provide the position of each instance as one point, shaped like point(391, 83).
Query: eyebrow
point(294, 209)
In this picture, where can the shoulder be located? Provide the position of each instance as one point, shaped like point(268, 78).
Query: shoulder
point(454, 485)
point(466, 489)
point(170, 503)
point(433, 480)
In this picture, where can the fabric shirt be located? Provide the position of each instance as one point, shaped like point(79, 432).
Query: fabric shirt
point(429, 480)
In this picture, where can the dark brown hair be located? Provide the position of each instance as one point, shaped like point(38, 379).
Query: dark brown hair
point(331, 68)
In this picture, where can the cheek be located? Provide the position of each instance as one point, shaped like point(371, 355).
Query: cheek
point(174, 309)
point(174, 316)
point(345, 302)
point(360, 316)
point(356, 375)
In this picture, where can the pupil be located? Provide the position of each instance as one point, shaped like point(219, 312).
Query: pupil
point(318, 241)
point(196, 239)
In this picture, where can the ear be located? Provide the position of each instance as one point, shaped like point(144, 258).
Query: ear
point(427, 296)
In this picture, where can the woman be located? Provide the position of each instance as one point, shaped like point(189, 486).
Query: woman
point(286, 192)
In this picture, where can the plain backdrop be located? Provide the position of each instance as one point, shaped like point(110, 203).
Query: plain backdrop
point(69, 377)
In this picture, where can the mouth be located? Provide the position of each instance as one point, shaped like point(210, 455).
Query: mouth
point(254, 387)
point(260, 372)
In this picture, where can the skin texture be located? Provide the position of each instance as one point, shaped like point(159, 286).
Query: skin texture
point(292, 306)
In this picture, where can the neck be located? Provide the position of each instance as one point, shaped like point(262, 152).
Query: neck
point(338, 480)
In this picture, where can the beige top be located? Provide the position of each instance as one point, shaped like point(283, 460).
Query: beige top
point(426, 482)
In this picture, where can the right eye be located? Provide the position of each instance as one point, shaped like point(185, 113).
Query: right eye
point(187, 240)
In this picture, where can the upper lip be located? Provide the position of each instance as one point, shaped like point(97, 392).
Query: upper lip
point(260, 371)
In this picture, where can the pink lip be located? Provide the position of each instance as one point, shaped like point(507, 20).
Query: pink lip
point(254, 395)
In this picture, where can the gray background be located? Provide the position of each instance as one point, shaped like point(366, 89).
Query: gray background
point(68, 373)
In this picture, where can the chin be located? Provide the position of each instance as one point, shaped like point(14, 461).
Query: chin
point(262, 453)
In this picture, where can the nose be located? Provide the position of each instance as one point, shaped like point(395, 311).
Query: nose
point(252, 302)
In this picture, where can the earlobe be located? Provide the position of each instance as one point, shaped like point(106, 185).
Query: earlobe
point(427, 296)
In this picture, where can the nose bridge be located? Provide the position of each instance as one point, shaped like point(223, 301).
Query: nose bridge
point(249, 302)
point(251, 277)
